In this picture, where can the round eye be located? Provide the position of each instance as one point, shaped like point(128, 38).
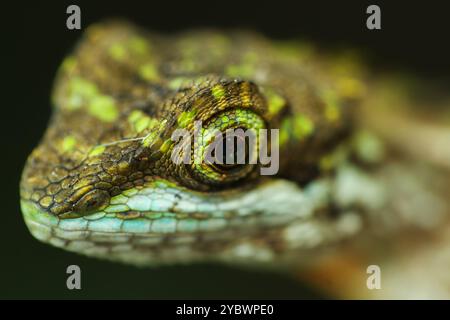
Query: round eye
point(226, 149)
point(94, 200)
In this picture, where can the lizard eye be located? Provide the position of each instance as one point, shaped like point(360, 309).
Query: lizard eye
point(226, 149)
point(232, 150)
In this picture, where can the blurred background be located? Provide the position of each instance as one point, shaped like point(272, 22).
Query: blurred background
point(413, 39)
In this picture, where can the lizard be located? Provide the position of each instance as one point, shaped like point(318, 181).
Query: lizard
point(102, 183)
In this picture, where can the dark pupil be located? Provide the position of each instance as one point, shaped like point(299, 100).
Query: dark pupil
point(235, 152)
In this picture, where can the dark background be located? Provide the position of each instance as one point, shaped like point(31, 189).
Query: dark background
point(34, 39)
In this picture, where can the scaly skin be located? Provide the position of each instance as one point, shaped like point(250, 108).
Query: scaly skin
point(102, 183)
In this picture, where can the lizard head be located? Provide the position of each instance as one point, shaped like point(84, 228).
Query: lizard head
point(136, 170)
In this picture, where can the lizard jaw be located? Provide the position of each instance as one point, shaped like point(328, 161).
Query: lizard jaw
point(141, 222)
